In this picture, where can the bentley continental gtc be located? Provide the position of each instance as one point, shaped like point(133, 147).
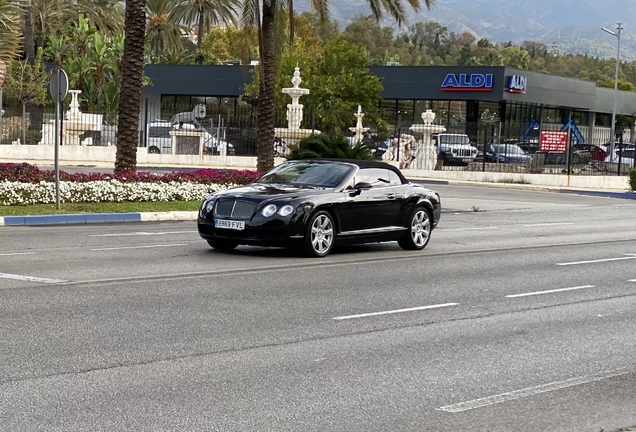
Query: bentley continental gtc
point(314, 204)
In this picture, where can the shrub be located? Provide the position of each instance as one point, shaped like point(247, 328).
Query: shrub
point(26, 173)
point(32, 137)
point(632, 179)
point(329, 146)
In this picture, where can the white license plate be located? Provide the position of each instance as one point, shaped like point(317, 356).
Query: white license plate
point(467, 160)
point(229, 224)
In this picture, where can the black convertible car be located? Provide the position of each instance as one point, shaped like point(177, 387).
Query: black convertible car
point(316, 203)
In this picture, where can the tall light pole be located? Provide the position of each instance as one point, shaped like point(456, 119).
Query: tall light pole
point(617, 33)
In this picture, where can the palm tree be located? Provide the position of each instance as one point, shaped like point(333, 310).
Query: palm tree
point(204, 13)
point(103, 15)
point(132, 68)
point(261, 14)
point(161, 31)
point(47, 19)
point(10, 29)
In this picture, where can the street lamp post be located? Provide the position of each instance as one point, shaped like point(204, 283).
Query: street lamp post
point(617, 33)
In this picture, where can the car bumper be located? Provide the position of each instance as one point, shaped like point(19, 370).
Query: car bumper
point(273, 232)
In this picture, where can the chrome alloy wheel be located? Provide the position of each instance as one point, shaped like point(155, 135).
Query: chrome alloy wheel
point(321, 234)
point(420, 228)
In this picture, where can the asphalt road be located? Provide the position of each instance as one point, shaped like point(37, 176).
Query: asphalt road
point(519, 316)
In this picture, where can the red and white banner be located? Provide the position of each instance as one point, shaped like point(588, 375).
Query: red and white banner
point(553, 140)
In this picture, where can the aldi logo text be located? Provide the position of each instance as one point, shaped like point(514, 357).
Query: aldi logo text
point(468, 83)
point(517, 84)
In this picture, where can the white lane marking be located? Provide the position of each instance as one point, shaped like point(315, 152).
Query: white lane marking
point(596, 261)
point(141, 233)
point(531, 391)
point(550, 291)
point(549, 224)
point(139, 247)
point(632, 280)
point(472, 229)
point(364, 315)
point(17, 253)
point(30, 278)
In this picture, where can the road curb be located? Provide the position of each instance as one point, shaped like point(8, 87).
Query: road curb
point(96, 218)
point(621, 195)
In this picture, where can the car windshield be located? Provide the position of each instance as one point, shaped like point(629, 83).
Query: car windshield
point(319, 174)
point(453, 139)
point(510, 149)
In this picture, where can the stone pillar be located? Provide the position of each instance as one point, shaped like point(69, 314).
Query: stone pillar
point(187, 141)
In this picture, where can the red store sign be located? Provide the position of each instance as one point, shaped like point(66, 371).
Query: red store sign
point(552, 140)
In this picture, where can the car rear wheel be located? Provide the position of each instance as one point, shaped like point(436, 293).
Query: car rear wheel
point(222, 245)
point(320, 235)
point(154, 150)
point(419, 232)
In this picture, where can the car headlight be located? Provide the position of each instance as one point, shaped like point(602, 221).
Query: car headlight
point(286, 210)
point(269, 210)
point(209, 206)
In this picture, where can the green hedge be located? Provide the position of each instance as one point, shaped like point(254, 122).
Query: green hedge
point(632, 179)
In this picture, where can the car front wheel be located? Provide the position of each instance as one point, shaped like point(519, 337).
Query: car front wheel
point(320, 236)
point(419, 232)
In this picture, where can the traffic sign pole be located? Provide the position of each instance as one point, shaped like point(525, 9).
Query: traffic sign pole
point(57, 144)
point(58, 86)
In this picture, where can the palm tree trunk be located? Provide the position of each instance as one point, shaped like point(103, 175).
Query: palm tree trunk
point(265, 135)
point(200, 30)
point(29, 41)
point(130, 96)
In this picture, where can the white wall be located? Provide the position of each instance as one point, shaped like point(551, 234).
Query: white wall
point(101, 154)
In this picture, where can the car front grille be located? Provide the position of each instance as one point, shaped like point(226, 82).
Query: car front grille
point(234, 209)
point(462, 152)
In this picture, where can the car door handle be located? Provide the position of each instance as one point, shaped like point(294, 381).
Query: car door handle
point(391, 196)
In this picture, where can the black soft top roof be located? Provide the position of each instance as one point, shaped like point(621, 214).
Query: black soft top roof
point(363, 164)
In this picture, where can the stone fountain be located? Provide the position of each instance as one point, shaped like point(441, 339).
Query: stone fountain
point(74, 123)
point(293, 133)
point(426, 157)
point(359, 129)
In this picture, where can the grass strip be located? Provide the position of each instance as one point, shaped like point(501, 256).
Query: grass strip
point(125, 207)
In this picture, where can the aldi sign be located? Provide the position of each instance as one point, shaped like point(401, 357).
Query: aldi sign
point(468, 83)
point(517, 84)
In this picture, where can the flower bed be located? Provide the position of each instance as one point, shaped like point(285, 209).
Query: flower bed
point(26, 173)
point(26, 184)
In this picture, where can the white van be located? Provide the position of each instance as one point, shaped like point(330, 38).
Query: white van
point(158, 139)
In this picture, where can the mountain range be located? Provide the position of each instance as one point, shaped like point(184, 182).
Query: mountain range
point(566, 26)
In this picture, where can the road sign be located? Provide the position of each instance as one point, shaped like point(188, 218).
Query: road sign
point(553, 140)
point(3, 72)
point(58, 86)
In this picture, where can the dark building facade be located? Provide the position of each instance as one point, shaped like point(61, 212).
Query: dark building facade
point(460, 96)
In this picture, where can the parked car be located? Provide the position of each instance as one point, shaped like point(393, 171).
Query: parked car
point(454, 148)
point(598, 153)
point(317, 203)
point(617, 145)
point(579, 157)
point(625, 157)
point(506, 153)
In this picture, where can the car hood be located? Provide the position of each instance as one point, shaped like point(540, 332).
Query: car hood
point(271, 190)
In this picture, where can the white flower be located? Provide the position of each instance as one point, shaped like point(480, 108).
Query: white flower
point(15, 193)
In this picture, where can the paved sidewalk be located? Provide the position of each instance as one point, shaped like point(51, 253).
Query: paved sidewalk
point(91, 218)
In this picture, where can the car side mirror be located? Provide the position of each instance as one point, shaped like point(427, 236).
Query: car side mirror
point(358, 188)
point(362, 186)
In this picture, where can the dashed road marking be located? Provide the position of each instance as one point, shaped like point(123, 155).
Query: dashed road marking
point(30, 278)
point(364, 315)
point(139, 247)
point(531, 391)
point(550, 291)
